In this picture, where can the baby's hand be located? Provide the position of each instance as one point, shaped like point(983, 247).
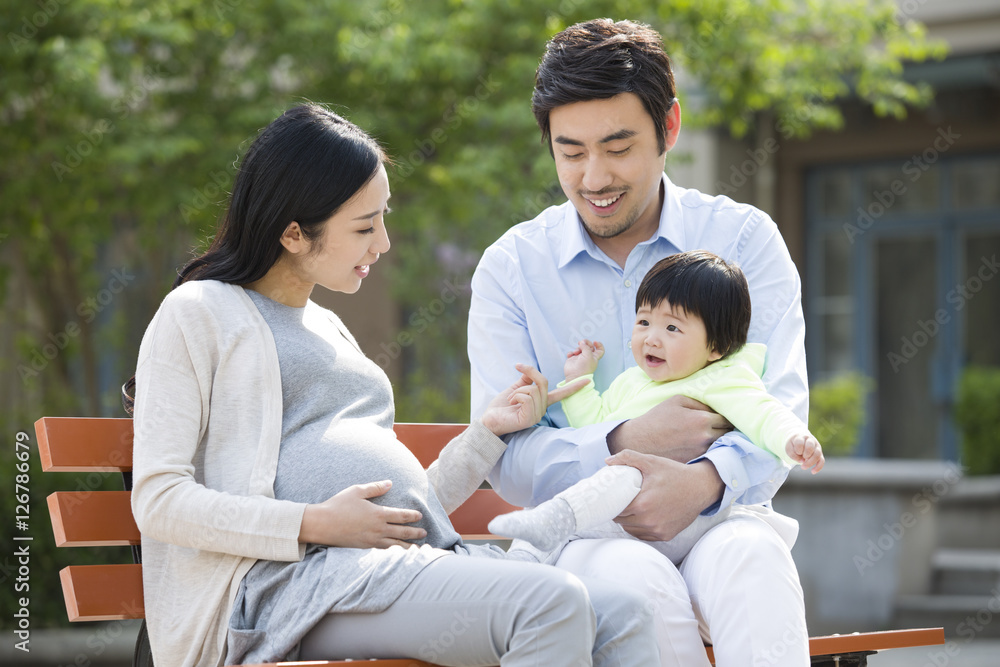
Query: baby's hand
point(807, 451)
point(583, 360)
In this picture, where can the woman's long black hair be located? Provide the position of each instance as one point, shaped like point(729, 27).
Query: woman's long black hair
point(302, 167)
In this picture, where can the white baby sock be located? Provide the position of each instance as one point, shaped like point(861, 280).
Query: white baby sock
point(585, 505)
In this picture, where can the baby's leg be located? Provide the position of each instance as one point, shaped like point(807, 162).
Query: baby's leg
point(587, 504)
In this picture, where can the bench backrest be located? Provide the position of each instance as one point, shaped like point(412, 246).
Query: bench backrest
point(104, 518)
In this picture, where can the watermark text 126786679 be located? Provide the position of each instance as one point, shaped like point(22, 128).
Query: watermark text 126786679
point(22, 547)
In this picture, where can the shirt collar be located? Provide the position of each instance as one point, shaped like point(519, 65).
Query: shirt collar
point(671, 228)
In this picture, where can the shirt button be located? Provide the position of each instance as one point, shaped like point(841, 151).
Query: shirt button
point(734, 484)
point(628, 283)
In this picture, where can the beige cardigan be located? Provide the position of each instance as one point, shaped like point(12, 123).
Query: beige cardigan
point(207, 431)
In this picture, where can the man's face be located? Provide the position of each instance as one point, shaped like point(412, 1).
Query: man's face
point(609, 164)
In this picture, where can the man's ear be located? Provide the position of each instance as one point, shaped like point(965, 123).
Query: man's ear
point(293, 239)
point(673, 125)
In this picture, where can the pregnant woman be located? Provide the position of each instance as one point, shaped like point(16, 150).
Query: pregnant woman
point(280, 517)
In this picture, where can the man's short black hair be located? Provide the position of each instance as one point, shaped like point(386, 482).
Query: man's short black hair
point(598, 60)
point(702, 284)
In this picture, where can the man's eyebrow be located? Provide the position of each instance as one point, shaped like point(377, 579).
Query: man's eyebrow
point(620, 134)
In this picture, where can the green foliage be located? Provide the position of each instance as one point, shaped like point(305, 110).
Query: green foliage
point(39, 583)
point(434, 403)
point(837, 412)
point(977, 415)
point(796, 60)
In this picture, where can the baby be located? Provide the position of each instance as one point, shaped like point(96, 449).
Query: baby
point(689, 338)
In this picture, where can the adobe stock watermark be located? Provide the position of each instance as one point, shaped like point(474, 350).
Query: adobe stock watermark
point(957, 297)
point(593, 320)
point(968, 629)
point(450, 121)
point(973, 625)
point(794, 637)
point(378, 21)
point(420, 321)
point(122, 106)
point(893, 532)
point(695, 50)
point(912, 169)
point(223, 7)
point(87, 310)
point(209, 193)
point(434, 648)
point(28, 30)
point(535, 204)
point(741, 173)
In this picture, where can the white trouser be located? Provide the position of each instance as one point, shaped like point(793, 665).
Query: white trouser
point(737, 589)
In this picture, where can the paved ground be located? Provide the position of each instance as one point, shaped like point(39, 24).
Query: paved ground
point(90, 645)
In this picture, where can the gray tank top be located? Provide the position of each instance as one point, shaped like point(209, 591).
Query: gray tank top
point(336, 431)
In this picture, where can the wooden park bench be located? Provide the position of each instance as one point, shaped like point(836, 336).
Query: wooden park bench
point(87, 518)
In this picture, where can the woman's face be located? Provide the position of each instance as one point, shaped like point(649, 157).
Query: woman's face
point(352, 240)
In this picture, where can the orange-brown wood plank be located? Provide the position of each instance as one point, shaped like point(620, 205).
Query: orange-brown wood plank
point(868, 641)
point(427, 440)
point(75, 444)
point(83, 444)
point(92, 518)
point(875, 641)
point(403, 662)
point(102, 592)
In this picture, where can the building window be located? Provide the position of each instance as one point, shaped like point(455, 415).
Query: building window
point(901, 261)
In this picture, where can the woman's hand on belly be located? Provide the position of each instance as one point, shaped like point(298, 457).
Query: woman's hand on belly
point(348, 519)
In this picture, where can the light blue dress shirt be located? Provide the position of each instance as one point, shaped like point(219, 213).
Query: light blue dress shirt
point(544, 286)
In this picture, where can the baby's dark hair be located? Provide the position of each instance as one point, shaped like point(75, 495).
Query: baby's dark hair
point(702, 284)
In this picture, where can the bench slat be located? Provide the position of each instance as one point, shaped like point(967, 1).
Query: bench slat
point(407, 662)
point(84, 444)
point(876, 641)
point(471, 518)
point(103, 592)
point(93, 518)
point(427, 440)
point(104, 518)
point(867, 641)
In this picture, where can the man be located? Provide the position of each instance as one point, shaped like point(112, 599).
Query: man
point(605, 102)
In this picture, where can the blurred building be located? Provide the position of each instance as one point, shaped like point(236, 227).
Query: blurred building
point(895, 228)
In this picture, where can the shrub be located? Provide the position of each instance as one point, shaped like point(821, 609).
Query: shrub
point(977, 416)
point(837, 412)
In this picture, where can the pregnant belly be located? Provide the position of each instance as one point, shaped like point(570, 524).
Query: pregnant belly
point(322, 459)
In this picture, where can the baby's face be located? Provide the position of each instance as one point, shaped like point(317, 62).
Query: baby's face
point(668, 344)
